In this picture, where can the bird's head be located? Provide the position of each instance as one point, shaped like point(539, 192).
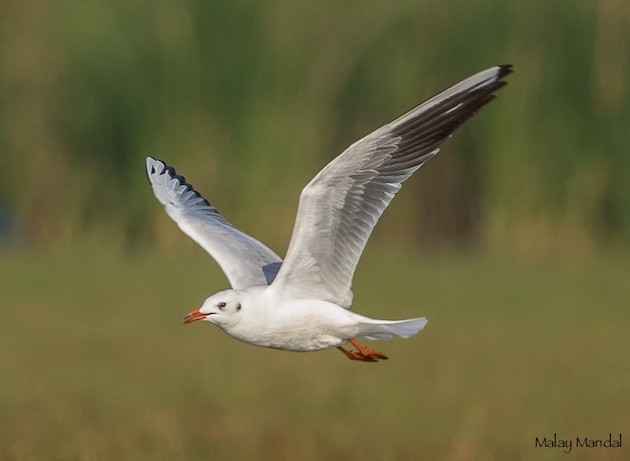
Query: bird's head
point(221, 309)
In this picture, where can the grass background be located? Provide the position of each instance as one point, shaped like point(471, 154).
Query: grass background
point(97, 366)
point(513, 241)
point(248, 94)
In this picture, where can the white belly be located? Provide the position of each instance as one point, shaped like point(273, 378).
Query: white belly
point(297, 325)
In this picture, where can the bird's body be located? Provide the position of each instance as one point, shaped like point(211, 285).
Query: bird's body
point(268, 319)
point(301, 303)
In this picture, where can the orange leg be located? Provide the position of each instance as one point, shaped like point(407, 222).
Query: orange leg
point(363, 353)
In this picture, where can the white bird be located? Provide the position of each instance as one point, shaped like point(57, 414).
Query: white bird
point(302, 304)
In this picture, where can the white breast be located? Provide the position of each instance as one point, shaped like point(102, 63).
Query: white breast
point(295, 325)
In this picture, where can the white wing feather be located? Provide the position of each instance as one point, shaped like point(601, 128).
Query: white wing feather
point(245, 261)
point(339, 208)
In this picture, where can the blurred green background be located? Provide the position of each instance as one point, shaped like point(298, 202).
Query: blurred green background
point(513, 241)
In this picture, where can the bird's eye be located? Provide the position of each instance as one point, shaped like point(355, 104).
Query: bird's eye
point(221, 305)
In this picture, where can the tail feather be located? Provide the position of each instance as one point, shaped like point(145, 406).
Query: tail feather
point(386, 329)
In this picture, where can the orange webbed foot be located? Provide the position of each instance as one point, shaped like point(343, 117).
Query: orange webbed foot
point(363, 354)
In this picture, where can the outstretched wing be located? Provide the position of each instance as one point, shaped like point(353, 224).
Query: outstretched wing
point(339, 208)
point(244, 260)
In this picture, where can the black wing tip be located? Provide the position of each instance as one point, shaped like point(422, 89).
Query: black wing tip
point(152, 171)
point(429, 129)
point(504, 70)
point(166, 168)
point(150, 166)
point(170, 171)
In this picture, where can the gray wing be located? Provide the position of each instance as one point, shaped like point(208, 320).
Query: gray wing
point(339, 208)
point(244, 260)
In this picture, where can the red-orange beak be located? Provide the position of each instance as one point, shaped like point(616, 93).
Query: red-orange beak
point(194, 316)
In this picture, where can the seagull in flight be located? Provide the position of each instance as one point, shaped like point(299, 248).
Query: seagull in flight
point(302, 303)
